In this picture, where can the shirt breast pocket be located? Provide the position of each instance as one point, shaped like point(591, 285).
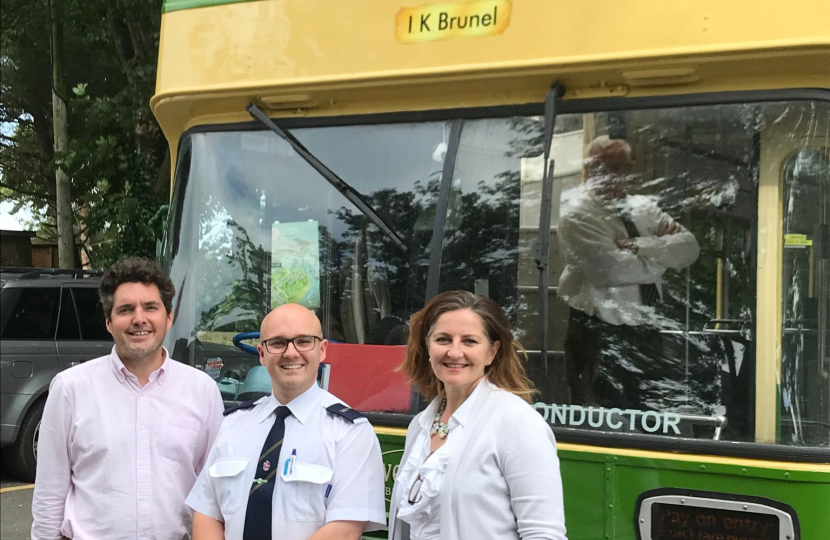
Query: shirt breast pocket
point(302, 493)
point(177, 437)
point(230, 483)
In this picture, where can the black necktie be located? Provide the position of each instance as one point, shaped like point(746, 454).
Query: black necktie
point(648, 291)
point(258, 515)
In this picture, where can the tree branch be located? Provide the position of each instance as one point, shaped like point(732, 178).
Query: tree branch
point(29, 153)
point(88, 256)
point(17, 120)
point(118, 41)
point(39, 196)
point(135, 39)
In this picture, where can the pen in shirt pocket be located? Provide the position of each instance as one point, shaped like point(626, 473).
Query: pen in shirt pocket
point(289, 463)
point(328, 490)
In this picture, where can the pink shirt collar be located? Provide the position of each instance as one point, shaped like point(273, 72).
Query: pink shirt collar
point(122, 373)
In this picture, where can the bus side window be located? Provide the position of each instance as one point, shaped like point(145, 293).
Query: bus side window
point(656, 222)
point(658, 262)
point(805, 358)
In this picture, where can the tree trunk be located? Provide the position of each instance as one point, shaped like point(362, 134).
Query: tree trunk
point(86, 262)
point(66, 236)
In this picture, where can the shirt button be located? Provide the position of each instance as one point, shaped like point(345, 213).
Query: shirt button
point(143, 428)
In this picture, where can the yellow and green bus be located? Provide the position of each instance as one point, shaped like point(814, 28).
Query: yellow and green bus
point(360, 157)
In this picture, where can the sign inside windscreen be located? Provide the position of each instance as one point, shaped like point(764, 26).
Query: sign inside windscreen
point(213, 367)
point(295, 264)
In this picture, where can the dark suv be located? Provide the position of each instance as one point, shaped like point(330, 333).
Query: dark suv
point(49, 320)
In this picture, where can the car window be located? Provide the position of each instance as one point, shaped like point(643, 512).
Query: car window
point(91, 315)
point(68, 319)
point(29, 313)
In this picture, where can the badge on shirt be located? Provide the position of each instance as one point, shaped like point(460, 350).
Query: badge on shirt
point(266, 465)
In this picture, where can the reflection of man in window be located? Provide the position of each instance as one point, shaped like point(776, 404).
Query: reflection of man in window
point(616, 248)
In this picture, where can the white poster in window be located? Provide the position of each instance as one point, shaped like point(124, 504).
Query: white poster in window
point(295, 264)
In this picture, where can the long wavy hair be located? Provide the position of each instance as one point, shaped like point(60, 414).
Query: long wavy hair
point(506, 371)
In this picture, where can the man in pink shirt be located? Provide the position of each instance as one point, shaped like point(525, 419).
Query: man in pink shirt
point(124, 436)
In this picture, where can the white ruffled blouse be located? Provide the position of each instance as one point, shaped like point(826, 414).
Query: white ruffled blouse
point(424, 515)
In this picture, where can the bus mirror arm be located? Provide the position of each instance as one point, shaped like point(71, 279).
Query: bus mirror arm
point(441, 208)
point(824, 302)
point(543, 240)
point(351, 194)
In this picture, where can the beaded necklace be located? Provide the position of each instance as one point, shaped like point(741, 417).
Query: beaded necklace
point(440, 428)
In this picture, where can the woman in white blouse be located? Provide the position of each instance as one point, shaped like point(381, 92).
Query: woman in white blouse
point(480, 463)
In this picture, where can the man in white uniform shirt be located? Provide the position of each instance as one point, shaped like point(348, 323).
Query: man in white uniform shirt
point(297, 464)
point(123, 437)
point(616, 248)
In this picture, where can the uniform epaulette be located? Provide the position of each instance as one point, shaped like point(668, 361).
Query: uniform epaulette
point(239, 407)
point(338, 409)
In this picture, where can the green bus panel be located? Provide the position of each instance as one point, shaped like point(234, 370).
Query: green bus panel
point(601, 489)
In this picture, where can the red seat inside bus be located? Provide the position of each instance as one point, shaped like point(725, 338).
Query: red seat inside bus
point(364, 376)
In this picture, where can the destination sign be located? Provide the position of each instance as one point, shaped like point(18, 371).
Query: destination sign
point(689, 522)
point(442, 21)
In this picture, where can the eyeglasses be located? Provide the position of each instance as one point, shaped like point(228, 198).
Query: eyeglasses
point(278, 345)
point(415, 490)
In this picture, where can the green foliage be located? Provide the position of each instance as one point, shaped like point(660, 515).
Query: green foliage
point(247, 296)
point(26, 108)
point(117, 159)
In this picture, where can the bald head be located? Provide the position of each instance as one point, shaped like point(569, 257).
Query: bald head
point(604, 156)
point(283, 320)
point(608, 167)
point(291, 349)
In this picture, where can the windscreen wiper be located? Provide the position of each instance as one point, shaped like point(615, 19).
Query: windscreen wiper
point(331, 177)
point(543, 242)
